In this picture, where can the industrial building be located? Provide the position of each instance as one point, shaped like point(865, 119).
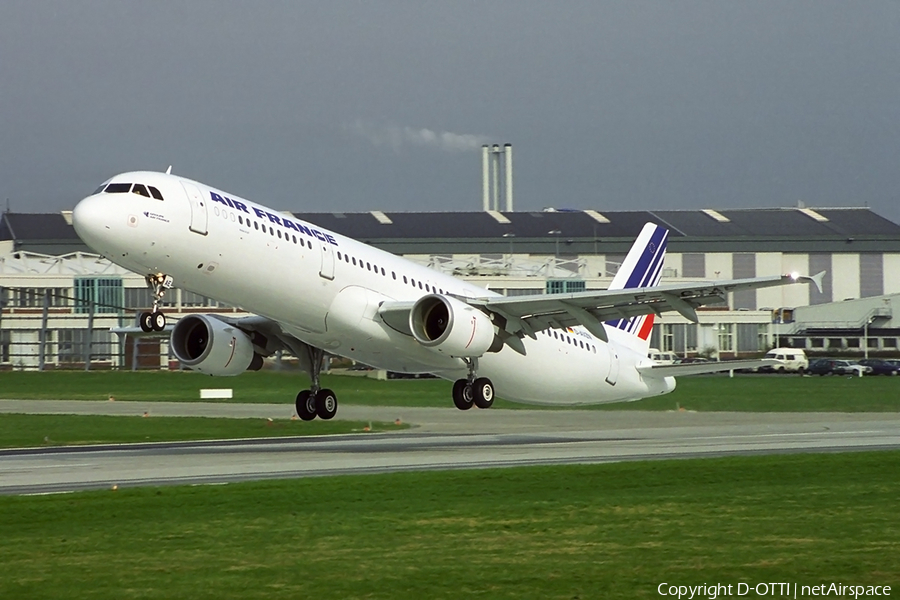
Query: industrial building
point(58, 300)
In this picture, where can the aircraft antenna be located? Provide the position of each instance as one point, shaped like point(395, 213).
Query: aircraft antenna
point(169, 170)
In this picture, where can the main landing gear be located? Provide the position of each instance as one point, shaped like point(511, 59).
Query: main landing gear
point(473, 390)
point(156, 320)
point(317, 401)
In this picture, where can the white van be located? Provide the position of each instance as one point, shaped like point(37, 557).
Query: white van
point(662, 358)
point(793, 359)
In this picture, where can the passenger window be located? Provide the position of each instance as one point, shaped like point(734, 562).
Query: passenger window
point(140, 190)
point(294, 238)
point(118, 188)
point(154, 192)
point(404, 279)
point(354, 261)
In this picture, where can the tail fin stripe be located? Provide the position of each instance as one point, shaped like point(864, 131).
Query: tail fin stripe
point(655, 270)
point(646, 271)
point(656, 246)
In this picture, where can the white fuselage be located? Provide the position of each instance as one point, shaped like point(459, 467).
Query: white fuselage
point(325, 290)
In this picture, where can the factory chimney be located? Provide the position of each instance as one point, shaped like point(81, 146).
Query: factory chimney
point(491, 180)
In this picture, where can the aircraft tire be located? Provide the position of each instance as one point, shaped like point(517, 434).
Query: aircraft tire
point(462, 394)
point(306, 405)
point(146, 322)
point(157, 321)
point(326, 404)
point(483, 392)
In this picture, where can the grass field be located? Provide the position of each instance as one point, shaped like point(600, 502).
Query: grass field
point(702, 393)
point(32, 431)
point(605, 531)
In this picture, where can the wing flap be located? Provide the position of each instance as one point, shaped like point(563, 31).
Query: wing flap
point(544, 311)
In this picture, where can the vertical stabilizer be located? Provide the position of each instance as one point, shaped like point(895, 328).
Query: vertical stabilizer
point(642, 268)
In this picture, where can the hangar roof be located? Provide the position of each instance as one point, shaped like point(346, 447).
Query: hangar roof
point(47, 233)
point(567, 232)
point(743, 230)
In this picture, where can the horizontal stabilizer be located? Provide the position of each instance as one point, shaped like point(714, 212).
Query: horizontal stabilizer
point(700, 368)
point(138, 332)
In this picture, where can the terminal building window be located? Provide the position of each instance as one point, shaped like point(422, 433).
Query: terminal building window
point(4, 345)
point(565, 286)
point(726, 337)
point(105, 294)
point(34, 297)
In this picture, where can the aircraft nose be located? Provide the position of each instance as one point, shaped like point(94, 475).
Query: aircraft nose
point(90, 218)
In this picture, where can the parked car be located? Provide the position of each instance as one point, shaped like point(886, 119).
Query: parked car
point(832, 366)
point(792, 360)
point(881, 366)
point(691, 359)
point(662, 358)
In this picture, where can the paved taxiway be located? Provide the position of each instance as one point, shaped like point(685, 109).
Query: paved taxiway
point(440, 439)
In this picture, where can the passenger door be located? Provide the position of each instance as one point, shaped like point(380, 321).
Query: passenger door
point(326, 271)
point(198, 208)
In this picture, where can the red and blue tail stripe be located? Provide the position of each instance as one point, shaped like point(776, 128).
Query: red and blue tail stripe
point(642, 268)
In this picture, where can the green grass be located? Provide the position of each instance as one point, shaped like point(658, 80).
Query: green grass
point(605, 531)
point(702, 393)
point(776, 393)
point(32, 431)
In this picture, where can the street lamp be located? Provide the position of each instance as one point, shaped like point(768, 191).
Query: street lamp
point(866, 336)
point(510, 235)
point(557, 233)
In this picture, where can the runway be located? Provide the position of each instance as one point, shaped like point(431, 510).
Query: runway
point(439, 439)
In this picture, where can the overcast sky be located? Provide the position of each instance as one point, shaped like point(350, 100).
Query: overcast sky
point(357, 106)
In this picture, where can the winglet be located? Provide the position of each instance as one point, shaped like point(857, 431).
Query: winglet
point(817, 279)
point(798, 278)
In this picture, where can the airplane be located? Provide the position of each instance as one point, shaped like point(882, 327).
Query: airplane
point(312, 291)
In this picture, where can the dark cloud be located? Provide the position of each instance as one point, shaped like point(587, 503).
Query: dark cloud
point(608, 104)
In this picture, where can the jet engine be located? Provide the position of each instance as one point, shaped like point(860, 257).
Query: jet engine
point(209, 345)
point(452, 327)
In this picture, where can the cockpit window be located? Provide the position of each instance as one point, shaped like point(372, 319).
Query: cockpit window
point(98, 190)
point(118, 188)
point(148, 191)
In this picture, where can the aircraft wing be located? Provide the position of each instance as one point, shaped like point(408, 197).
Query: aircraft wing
point(526, 315)
point(700, 368)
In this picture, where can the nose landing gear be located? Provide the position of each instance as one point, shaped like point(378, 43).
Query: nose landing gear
point(156, 320)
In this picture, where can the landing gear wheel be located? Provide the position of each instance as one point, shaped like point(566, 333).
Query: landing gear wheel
point(483, 392)
point(462, 394)
point(326, 404)
point(146, 321)
point(306, 405)
point(157, 321)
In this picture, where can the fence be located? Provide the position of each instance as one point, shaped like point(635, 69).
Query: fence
point(52, 328)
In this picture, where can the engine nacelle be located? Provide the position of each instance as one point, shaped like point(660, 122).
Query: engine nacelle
point(451, 327)
point(209, 345)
